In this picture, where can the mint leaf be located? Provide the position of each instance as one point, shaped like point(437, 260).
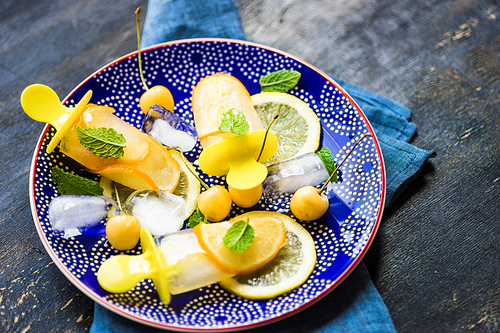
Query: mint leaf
point(279, 81)
point(234, 121)
point(239, 236)
point(196, 218)
point(101, 141)
point(326, 157)
point(70, 184)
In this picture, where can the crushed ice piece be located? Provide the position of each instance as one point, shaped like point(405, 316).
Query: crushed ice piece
point(73, 214)
point(169, 129)
point(288, 176)
point(160, 212)
point(71, 232)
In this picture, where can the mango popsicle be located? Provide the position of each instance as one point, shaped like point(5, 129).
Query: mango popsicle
point(145, 164)
point(178, 264)
point(238, 156)
point(143, 159)
point(212, 97)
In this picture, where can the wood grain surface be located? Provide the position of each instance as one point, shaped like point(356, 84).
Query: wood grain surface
point(435, 260)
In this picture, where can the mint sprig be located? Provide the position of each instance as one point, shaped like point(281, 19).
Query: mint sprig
point(101, 141)
point(196, 218)
point(234, 121)
point(71, 184)
point(326, 157)
point(239, 236)
point(279, 81)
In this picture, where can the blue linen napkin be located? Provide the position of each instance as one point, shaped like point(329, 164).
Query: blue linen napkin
point(354, 306)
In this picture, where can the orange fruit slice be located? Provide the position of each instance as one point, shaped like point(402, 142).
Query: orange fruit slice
point(269, 237)
point(128, 176)
point(291, 267)
point(212, 97)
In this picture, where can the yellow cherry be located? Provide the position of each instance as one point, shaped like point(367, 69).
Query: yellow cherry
point(215, 203)
point(123, 231)
point(160, 95)
point(246, 198)
point(308, 203)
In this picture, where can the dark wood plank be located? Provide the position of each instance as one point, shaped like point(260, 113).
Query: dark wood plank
point(58, 43)
point(435, 259)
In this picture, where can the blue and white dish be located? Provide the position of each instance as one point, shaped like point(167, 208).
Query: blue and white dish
point(342, 236)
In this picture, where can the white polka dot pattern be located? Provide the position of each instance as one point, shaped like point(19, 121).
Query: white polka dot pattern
point(341, 237)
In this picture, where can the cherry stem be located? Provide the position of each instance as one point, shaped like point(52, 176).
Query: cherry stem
point(118, 200)
point(139, 60)
point(265, 136)
point(340, 164)
point(192, 172)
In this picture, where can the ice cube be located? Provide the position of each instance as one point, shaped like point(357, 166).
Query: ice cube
point(169, 129)
point(160, 212)
point(288, 176)
point(72, 213)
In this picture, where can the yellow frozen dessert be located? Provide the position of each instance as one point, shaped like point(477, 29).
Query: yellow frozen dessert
point(145, 163)
point(212, 97)
point(102, 142)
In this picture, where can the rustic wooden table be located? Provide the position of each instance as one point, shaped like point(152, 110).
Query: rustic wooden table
point(435, 259)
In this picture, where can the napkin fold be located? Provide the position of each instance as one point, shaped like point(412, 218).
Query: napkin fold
point(355, 305)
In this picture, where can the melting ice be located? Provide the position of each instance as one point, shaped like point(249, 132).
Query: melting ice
point(169, 129)
point(71, 213)
point(160, 212)
point(288, 176)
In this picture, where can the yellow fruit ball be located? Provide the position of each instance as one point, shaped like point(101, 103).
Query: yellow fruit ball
point(308, 204)
point(246, 198)
point(123, 231)
point(215, 203)
point(160, 95)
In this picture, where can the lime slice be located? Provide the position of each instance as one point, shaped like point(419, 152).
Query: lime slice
point(297, 127)
point(189, 186)
point(289, 269)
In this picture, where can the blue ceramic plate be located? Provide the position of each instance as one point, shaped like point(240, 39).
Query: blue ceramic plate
point(342, 236)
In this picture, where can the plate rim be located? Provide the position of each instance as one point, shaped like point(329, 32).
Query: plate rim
point(180, 328)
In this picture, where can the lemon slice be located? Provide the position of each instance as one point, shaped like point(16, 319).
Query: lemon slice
point(188, 186)
point(289, 269)
point(298, 128)
point(110, 188)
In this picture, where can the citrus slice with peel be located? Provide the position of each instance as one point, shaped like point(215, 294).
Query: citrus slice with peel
point(111, 189)
point(188, 186)
point(128, 176)
point(289, 269)
point(297, 127)
point(212, 97)
point(269, 237)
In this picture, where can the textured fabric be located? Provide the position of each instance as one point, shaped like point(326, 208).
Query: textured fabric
point(354, 306)
point(168, 20)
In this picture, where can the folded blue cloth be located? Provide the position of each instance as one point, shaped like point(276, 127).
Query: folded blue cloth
point(355, 306)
